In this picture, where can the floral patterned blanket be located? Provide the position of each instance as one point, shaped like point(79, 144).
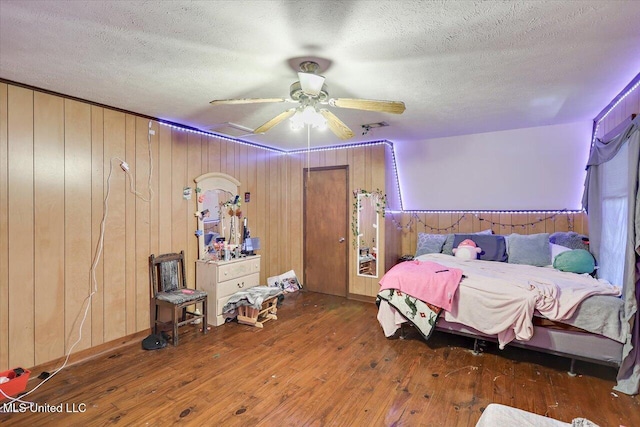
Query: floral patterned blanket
point(421, 314)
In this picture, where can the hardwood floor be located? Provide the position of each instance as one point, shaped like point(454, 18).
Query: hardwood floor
point(325, 361)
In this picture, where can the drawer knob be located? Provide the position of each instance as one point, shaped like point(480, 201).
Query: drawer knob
point(241, 285)
point(225, 273)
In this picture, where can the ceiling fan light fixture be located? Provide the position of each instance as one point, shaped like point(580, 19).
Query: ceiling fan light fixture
point(313, 118)
point(311, 83)
point(296, 122)
point(322, 125)
point(308, 116)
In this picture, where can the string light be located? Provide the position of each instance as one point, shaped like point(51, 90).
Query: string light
point(595, 132)
point(301, 150)
point(224, 138)
point(414, 218)
point(396, 175)
point(553, 211)
point(413, 213)
point(341, 147)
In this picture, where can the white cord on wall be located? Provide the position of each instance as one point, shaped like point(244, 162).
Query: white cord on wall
point(98, 254)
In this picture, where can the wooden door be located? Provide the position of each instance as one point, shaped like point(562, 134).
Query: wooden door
point(326, 242)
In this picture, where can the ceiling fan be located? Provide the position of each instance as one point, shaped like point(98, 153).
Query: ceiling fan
point(311, 94)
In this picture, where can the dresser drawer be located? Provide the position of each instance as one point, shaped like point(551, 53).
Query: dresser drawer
point(221, 279)
point(229, 287)
point(226, 289)
point(238, 269)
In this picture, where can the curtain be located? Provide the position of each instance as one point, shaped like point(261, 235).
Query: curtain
point(612, 202)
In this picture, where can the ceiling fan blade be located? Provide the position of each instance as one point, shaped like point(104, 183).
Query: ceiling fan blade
point(277, 119)
point(245, 101)
point(336, 125)
point(395, 107)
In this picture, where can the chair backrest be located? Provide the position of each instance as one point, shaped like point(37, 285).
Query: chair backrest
point(167, 272)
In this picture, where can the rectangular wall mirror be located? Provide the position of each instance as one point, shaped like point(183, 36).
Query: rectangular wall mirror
point(367, 220)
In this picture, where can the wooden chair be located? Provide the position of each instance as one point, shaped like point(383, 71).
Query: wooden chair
point(169, 288)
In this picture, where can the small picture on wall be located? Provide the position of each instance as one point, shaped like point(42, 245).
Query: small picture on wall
point(186, 193)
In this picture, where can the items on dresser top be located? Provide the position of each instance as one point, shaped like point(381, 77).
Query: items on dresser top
point(221, 279)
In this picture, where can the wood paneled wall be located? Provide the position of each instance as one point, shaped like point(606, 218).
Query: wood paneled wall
point(444, 223)
point(56, 155)
point(628, 106)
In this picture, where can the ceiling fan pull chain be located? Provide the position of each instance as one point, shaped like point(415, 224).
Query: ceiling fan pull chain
point(308, 151)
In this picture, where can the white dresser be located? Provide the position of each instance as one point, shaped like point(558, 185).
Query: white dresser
point(221, 279)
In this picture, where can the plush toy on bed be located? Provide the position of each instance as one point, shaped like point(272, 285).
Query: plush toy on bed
point(467, 249)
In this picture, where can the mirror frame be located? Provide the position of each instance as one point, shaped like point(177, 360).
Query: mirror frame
point(376, 226)
point(209, 182)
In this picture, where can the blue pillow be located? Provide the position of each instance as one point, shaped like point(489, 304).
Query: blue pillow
point(447, 248)
point(430, 243)
point(493, 246)
point(531, 249)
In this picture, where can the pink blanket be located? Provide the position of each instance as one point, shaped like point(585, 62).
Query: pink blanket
point(428, 281)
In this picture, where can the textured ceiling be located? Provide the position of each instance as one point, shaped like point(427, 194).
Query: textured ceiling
point(461, 67)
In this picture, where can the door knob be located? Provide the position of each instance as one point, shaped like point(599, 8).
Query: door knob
point(341, 240)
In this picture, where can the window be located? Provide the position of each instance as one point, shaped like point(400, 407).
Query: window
point(613, 182)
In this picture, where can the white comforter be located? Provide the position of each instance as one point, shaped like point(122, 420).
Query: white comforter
point(499, 298)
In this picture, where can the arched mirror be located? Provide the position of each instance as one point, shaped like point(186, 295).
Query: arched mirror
point(217, 211)
point(368, 207)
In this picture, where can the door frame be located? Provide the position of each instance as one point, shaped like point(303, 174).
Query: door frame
point(304, 221)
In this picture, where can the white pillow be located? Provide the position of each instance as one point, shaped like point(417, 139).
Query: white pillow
point(557, 249)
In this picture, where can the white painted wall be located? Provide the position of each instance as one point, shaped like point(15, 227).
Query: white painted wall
point(541, 168)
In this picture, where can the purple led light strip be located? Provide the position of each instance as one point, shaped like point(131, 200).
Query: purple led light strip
point(365, 144)
point(225, 138)
point(633, 85)
point(275, 150)
point(558, 212)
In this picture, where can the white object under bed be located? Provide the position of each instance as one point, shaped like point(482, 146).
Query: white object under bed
point(496, 415)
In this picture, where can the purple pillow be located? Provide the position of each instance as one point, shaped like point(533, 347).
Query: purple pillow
point(494, 247)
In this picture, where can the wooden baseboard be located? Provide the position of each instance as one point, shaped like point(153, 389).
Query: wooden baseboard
point(90, 353)
point(363, 298)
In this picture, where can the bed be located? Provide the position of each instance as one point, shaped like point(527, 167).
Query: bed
point(541, 308)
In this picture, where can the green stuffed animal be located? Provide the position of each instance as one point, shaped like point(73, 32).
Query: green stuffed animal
point(575, 261)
